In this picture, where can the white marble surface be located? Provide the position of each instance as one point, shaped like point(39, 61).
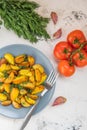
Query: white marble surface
point(73, 114)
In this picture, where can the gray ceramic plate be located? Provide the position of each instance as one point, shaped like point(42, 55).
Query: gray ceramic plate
point(17, 49)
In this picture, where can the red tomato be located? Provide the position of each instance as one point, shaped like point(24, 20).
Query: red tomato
point(62, 50)
point(65, 68)
point(85, 47)
point(80, 58)
point(76, 38)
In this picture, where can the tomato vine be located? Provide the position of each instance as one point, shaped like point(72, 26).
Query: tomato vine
point(71, 53)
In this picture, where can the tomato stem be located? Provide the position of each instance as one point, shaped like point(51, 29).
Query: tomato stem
point(75, 51)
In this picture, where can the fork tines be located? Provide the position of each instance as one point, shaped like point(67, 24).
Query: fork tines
point(52, 77)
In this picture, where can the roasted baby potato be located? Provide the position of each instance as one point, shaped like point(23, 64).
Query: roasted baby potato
point(31, 60)
point(23, 91)
point(38, 89)
point(16, 105)
point(28, 85)
point(6, 87)
point(30, 100)
point(32, 78)
point(20, 58)
point(38, 66)
point(24, 103)
point(18, 99)
point(9, 57)
point(6, 103)
point(32, 96)
point(21, 80)
point(15, 67)
point(14, 93)
point(3, 97)
point(10, 78)
point(43, 78)
point(3, 61)
point(1, 88)
point(4, 67)
point(38, 75)
point(25, 64)
point(25, 72)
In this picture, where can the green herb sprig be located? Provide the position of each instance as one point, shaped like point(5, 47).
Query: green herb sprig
point(20, 16)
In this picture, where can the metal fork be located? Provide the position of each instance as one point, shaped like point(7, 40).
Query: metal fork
point(51, 80)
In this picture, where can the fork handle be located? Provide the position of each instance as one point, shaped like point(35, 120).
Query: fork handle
point(29, 114)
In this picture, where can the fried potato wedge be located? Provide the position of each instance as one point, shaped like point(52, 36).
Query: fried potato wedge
point(10, 58)
point(18, 99)
point(25, 72)
point(20, 79)
point(24, 64)
point(24, 103)
point(43, 78)
point(32, 78)
point(33, 96)
point(19, 58)
point(1, 88)
point(10, 78)
point(30, 100)
point(31, 60)
point(4, 67)
point(16, 105)
point(38, 66)
point(38, 89)
point(23, 91)
point(6, 87)
point(15, 67)
point(3, 61)
point(28, 85)
point(38, 75)
point(14, 94)
point(3, 97)
point(6, 103)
